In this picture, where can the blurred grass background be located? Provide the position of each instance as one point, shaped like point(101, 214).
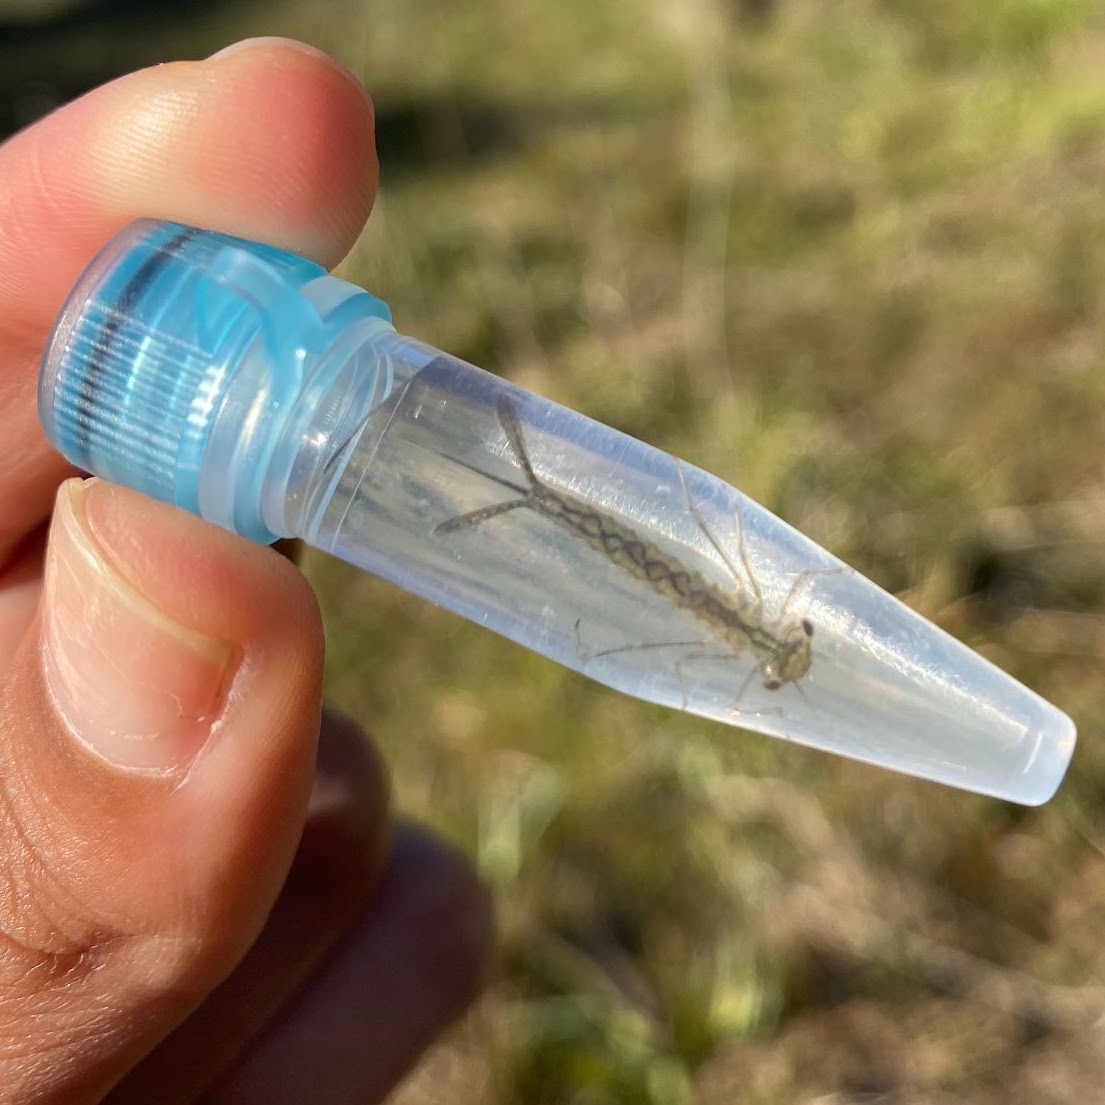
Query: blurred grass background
point(850, 256)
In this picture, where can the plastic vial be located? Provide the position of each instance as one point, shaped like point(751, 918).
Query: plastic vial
point(245, 384)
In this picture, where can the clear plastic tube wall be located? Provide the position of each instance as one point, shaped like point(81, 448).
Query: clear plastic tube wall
point(250, 387)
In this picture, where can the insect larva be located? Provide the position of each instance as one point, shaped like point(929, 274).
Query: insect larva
point(783, 649)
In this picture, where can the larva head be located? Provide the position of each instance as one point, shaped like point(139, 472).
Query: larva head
point(791, 658)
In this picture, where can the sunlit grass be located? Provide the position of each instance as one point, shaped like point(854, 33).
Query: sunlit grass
point(852, 258)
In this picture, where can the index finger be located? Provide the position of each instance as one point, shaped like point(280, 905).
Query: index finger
point(270, 140)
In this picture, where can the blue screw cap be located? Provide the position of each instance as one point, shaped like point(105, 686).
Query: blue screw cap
point(148, 346)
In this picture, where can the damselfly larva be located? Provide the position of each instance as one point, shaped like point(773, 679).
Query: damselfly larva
point(735, 617)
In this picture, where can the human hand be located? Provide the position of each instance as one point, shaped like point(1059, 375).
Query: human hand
point(188, 911)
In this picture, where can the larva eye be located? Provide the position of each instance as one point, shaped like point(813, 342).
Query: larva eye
point(772, 685)
point(807, 625)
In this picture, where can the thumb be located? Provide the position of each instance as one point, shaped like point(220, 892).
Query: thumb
point(157, 740)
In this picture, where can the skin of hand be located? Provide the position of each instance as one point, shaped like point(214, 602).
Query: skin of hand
point(202, 895)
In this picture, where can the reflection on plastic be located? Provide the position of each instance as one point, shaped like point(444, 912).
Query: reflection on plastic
point(304, 413)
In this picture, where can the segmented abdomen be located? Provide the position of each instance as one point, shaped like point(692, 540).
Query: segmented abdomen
point(622, 546)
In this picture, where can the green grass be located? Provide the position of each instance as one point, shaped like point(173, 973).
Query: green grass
point(853, 259)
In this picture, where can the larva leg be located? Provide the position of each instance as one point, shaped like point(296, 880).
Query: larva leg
point(475, 517)
point(801, 579)
point(512, 427)
point(586, 657)
point(742, 552)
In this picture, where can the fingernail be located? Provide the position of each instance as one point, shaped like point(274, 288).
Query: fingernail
point(134, 686)
point(291, 44)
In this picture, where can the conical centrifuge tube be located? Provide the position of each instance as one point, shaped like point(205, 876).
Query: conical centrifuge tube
point(248, 386)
